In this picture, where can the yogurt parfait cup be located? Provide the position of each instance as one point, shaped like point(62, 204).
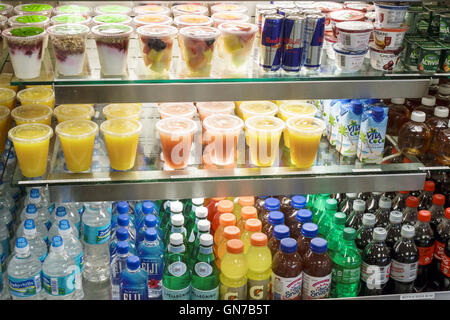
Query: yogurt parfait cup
point(209, 108)
point(65, 112)
point(229, 7)
point(6, 10)
point(391, 14)
point(156, 43)
point(37, 95)
point(33, 20)
point(26, 47)
point(389, 38)
point(293, 109)
point(69, 45)
point(123, 111)
point(71, 18)
point(221, 17)
point(354, 35)
point(112, 9)
point(73, 9)
point(7, 98)
point(32, 113)
point(31, 143)
point(187, 20)
point(177, 109)
point(112, 18)
point(5, 124)
point(34, 8)
point(348, 61)
point(112, 42)
point(151, 9)
point(152, 19)
point(180, 9)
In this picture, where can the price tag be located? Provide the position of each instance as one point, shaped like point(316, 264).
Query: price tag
point(418, 296)
point(367, 170)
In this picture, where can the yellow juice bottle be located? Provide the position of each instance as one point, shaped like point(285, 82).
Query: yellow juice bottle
point(241, 202)
point(225, 220)
point(251, 226)
point(230, 232)
point(233, 275)
point(259, 259)
point(247, 212)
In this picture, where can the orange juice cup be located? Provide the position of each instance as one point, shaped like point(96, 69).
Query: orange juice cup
point(7, 98)
point(77, 141)
point(177, 109)
point(65, 112)
point(294, 108)
point(257, 108)
point(31, 142)
point(264, 133)
point(121, 137)
point(5, 123)
point(222, 132)
point(123, 111)
point(32, 113)
point(206, 109)
point(37, 95)
point(177, 135)
point(304, 138)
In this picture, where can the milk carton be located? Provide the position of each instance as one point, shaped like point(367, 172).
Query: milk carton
point(349, 127)
point(372, 135)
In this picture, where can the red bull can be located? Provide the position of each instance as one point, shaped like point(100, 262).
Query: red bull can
point(293, 39)
point(314, 34)
point(261, 12)
point(271, 48)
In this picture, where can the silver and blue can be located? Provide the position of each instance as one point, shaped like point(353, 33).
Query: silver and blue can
point(271, 48)
point(314, 35)
point(260, 14)
point(293, 40)
point(288, 11)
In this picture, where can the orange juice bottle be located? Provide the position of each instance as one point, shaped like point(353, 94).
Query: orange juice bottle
point(223, 206)
point(241, 202)
point(251, 226)
point(230, 232)
point(212, 207)
point(225, 220)
point(247, 212)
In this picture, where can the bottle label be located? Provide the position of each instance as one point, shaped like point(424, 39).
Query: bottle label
point(315, 287)
point(96, 235)
point(59, 286)
point(154, 268)
point(129, 293)
point(404, 272)
point(203, 269)
point(375, 276)
point(79, 261)
point(425, 255)
point(233, 293)
point(197, 294)
point(286, 288)
point(177, 269)
point(169, 294)
point(24, 288)
point(258, 289)
point(439, 249)
point(346, 275)
point(445, 265)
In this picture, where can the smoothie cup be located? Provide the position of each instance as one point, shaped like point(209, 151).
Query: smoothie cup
point(113, 9)
point(221, 17)
point(152, 19)
point(31, 143)
point(26, 47)
point(37, 95)
point(151, 9)
point(121, 137)
point(304, 138)
point(34, 8)
point(294, 109)
point(69, 45)
point(156, 42)
point(5, 123)
point(112, 46)
point(66, 112)
point(188, 20)
point(112, 18)
point(8, 98)
point(32, 113)
point(181, 9)
point(264, 133)
point(123, 111)
point(71, 18)
point(222, 132)
point(177, 135)
point(206, 109)
point(177, 109)
point(29, 21)
point(73, 9)
point(77, 140)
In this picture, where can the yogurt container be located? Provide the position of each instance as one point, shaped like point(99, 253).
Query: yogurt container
point(34, 8)
point(73, 9)
point(330, 40)
point(152, 19)
point(344, 15)
point(354, 35)
point(29, 21)
point(112, 18)
point(113, 9)
point(151, 9)
point(389, 38)
point(385, 60)
point(390, 14)
point(348, 61)
point(71, 18)
point(357, 5)
point(187, 20)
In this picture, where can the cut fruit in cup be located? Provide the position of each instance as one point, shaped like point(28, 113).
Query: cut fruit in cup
point(181, 9)
point(188, 20)
point(221, 17)
point(177, 109)
point(152, 19)
point(151, 9)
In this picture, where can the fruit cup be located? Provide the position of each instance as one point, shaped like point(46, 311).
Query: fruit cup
point(73, 9)
point(32, 113)
point(221, 17)
point(66, 112)
point(77, 140)
point(156, 42)
point(121, 137)
point(206, 109)
point(181, 9)
point(151, 9)
point(177, 109)
point(112, 9)
point(123, 111)
point(187, 20)
point(8, 98)
point(177, 135)
point(37, 95)
point(71, 18)
point(112, 18)
point(229, 7)
point(5, 123)
point(31, 143)
point(294, 108)
point(152, 19)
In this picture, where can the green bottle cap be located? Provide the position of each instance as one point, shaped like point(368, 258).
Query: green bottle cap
point(325, 195)
point(331, 204)
point(340, 218)
point(349, 234)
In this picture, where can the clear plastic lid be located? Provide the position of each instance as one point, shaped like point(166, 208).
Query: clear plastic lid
point(71, 18)
point(112, 30)
point(238, 28)
point(223, 123)
point(24, 33)
point(31, 113)
point(121, 127)
point(306, 125)
point(30, 133)
point(189, 9)
point(152, 19)
point(73, 9)
point(297, 108)
point(216, 107)
point(151, 9)
point(76, 128)
point(346, 15)
point(35, 94)
point(157, 31)
point(200, 32)
point(264, 124)
point(177, 109)
point(29, 20)
point(112, 8)
point(176, 126)
point(229, 7)
point(34, 8)
point(6, 95)
point(221, 17)
point(71, 29)
point(73, 111)
point(192, 20)
point(112, 18)
point(254, 108)
point(123, 110)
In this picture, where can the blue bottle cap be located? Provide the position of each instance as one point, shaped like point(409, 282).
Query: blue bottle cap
point(21, 242)
point(357, 107)
point(288, 245)
point(57, 241)
point(60, 212)
point(64, 224)
point(281, 231)
point(123, 220)
point(31, 208)
point(29, 224)
point(345, 100)
point(263, 197)
point(310, 230)
point(122, 247)
point(372, 101)
point(276, 217)
point(377, 114)
point(298, 202)
point(133, 263)
point(149, 207)
point(303, 216)
point(34, 193)
point(272, 204)
point(122, 234)
point(151, 234)
point(150, 221)
point(122, 207)
point(318, 245)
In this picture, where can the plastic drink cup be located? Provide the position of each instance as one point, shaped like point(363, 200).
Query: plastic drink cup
point(66, 112)
point(37, 95)
point(181, 9)
point(73, 9)
point(29, 113)
point(77, 140)
point(152, 19)
point(206, 109)
point(264, 133)
point(222, 132)
point(304, 138)
point(121, 137)
point(188, 20)
point(123, 111)
point(294, 109)
point(29, 21)
point(229, 7)
point(5, 123)
point(7, 98)
point(177, 135)
point(257, 108)
point(225, 16)
point(177, 109)
point(31, 142)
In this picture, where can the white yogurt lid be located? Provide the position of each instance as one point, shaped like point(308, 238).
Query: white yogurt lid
point(354, 26)
point(441, 112)
point(346, 15)
point(418, 116)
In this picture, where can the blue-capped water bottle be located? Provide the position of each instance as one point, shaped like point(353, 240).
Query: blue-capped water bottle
point(149, 222)
point(133, 281)
point(147, 207)
point(118, 264)
point(7, 219)
point(123, 207)
point(7, 200)
point(31, 212)
point(72, 215)
point(124, 221)
point(121, 235)
point(61, 214)
point(35, 197)
point(38, 247)
point(4, 240)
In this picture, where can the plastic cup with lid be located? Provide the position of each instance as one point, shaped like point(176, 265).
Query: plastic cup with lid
point(229, 7)
point(113, 9)
point(71, 18)
point(37, 95)
point(33, 8)
point(29, 21)
point(73, 9)
point(225, 16)
point(35, 113)
point(123, 111)
point(151, 9)
point(112, 18)
point(7, 98)
point(177, 109)
point(152, 19)
point(5, 123)
point(294, 109)
point(189, 9)
point(206, 109)
point(66, 112)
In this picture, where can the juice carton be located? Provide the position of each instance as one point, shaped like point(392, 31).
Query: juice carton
point(349, 126)
point(372, 135)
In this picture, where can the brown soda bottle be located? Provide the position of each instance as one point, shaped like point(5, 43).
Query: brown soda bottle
point(443, 154)
point(354, 219)
point(259, 205)
point(275, 218)
point(340, 197)
point(437, 210)
point(365, 233)
point(393, 229)
point(297, 202)
point(373, 201)
point(303, 216)
point(271, 204)
point(285, 203)
point(427, 105)
point(425, 241)
point(436, 124)
point(426, 196)
point(309, 231)
point(364, 196)
point(382, 213)
point(399, 202)
point(412, 103)
point(410, 212)
point(391, 195)
point(443, 95)
point(346, 205)
point(433, 89)
point(280, 232)
point(414, 136)
point(442, 236)
point(398, 115)
point(317, 268)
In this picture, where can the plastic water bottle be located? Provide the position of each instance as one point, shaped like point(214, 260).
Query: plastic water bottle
point(4, 240)
point(96, 230)
point(74, 249)
point(149, 222)
point(7, 219)
point(121, 235)
point(61, 214)
point(118, 264)
point(2, 275)
point(201, 213)
point(148, 207)
point(123, 221)
point(38, 247)
point(191, 219)
point(133, 281)
point(24, 273)
point(151, 254)
point(72, 215)
point(41, 204)
point(123, 207)
point(7, 200)
point(58, 272)
point(31, 212)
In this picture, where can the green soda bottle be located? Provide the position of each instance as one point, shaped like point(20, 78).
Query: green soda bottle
point(191, 220)
point(326, 219)
point(176, 278)
point(310, 201)
point(176, 226)
point(335, 235)
point(319, 206)
point(203, 227)
point(346, 267)
point(174, 207)
point(187, 206)
point(205, 276)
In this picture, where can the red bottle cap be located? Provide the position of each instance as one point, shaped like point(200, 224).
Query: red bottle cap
point(447, 213)
point(439, 199)
point(424, 216)
point(429, 186)
point(412, 202)
point(404, 192)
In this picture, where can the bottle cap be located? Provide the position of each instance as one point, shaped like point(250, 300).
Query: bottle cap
point(447, 213)
point(133, 263)
point(349, 234)
point(122, 234)
point(253, 225)
point(303, 216)
point(379, 234)
point(57, 242)
point(176, 206)
point(176, 239)
point(204, 225)
point(60, 212)
point(206, 240)
point(246, 201)
point(34, 193)
point(258, 239)
point(377, 114)
point(412, 202)
point(340, 218)
point(424, 216)
point(235, 246)
point(407, 231)
point(395, 217)
point(150, 221)
point(123, 220)
point(231, 232)
point(331, 204)
point(177, 220)
point(310, 230)
point(275, 218)
point(318, 245)
point(429, 101)
point(376, 193)
point(29, 228)
point(149, 207)
point(372, 101)
point(398, 100)
point(439, 199)
point(368, 219)
point(351, 195)
point(403, 192)
point(64, 227)
point(31, 208)
point(444, 89)
point(325, 195)
point(441, 112)
point(281, 231)
point(298, 202)
point(359, 205)
point(198, 201)
point(263, 197)
point(272, 204)
point(357, 107)
point(151, 234)
point(248, 212)
point(122, 247)
point(227, 219)
point(288, 245)
point(429, 186)
point(122, 207)
point(225, 206)
point(418, 116)
point(201, 212)
point(385, 203)
point(22, 246)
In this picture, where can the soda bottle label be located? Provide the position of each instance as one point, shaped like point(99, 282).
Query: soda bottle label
point(439, 249)
point(25, 288)
point(203, 269)
point(169, 294)
point(59, 286)
point(404, 272)
point(445, 265)
point(286, 288)
point(258, 289)
point(177, 269)
point(346, 275)
point(127, 293)
point(375, 276)
point(425, 255)
point(197, 294)
point(96, 235)
point(233, 293)
point(315, 287)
